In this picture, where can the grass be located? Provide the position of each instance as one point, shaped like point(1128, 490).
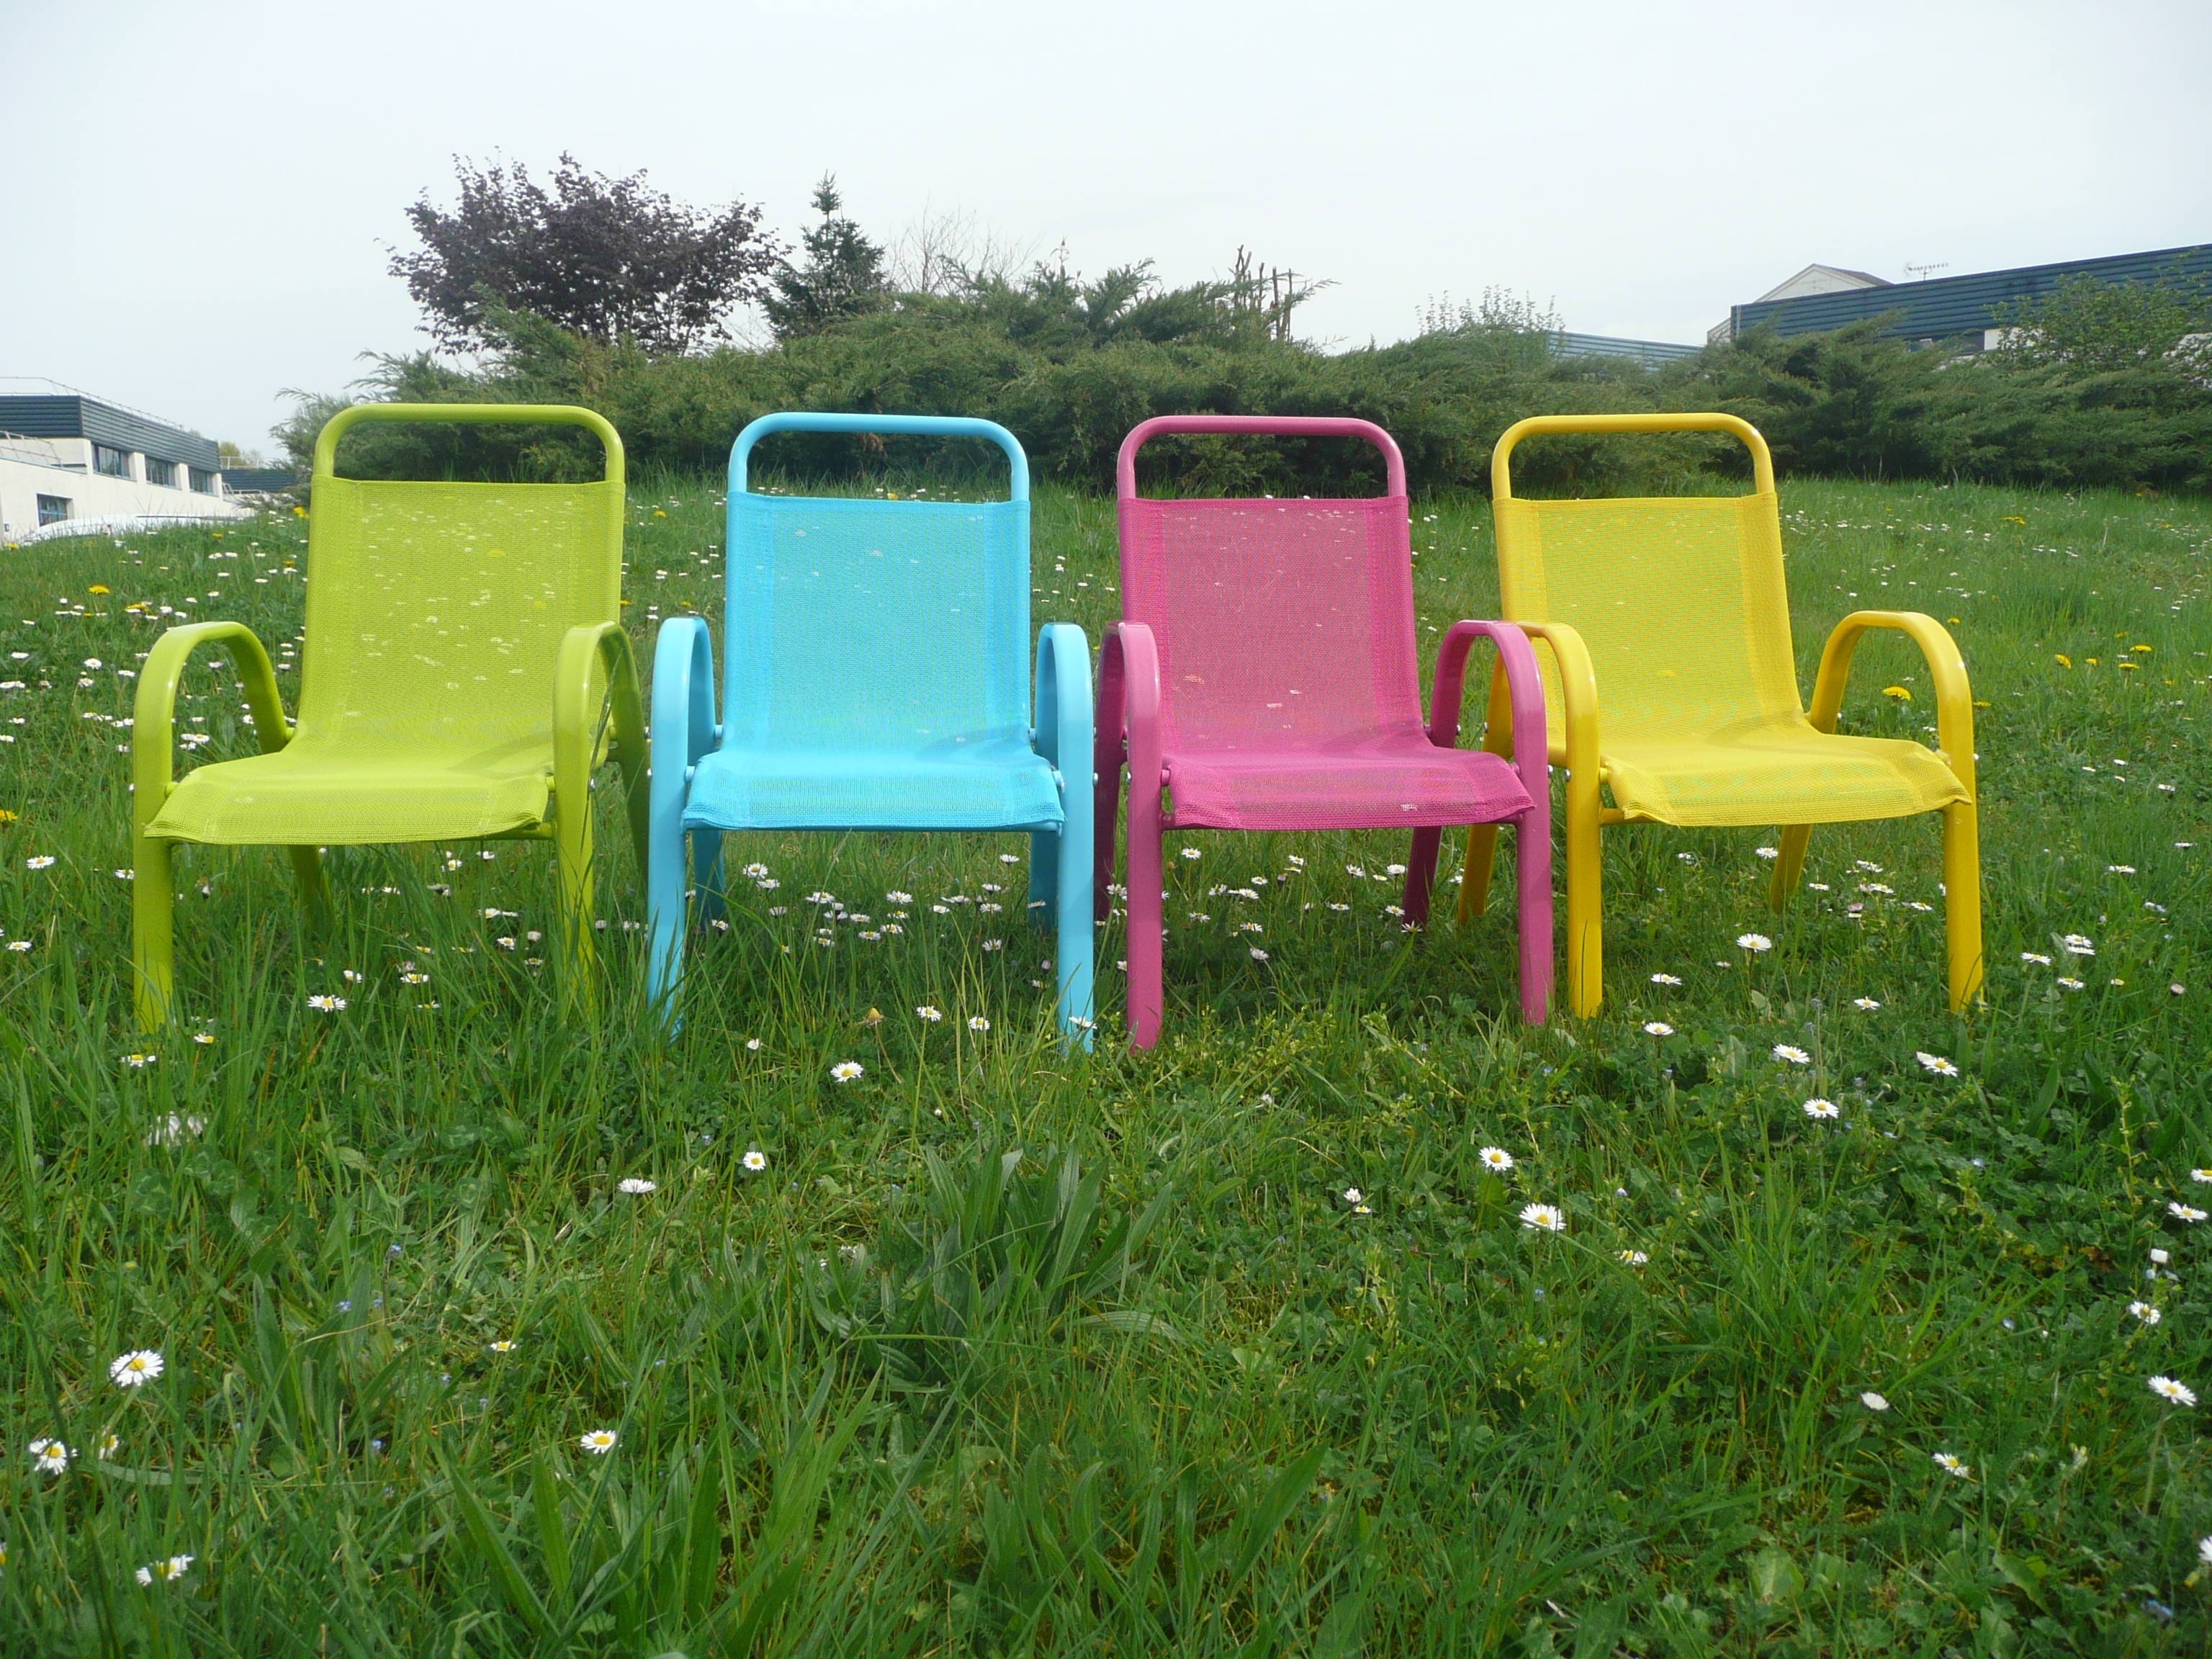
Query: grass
point(1005, 1351)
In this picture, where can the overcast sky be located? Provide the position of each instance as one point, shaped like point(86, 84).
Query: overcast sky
point(198, 198)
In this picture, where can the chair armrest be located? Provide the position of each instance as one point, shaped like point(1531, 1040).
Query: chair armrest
point(1955, 697)
point(153, 712)
point(1578, 692)
point(595, 655)
point(1129, 702)
point(683, 726)
point(1063, 704)
point(1524, 684)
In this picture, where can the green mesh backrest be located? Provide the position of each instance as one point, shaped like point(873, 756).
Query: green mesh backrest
point(1681, 600)
point(435, 611)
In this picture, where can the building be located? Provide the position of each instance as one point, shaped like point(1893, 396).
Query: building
point(72, 463)
point(1650, 353)
point(1957, 312)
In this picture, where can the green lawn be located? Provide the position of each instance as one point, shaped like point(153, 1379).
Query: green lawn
point(1008, 1352)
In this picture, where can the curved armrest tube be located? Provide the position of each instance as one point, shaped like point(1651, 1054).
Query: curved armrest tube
point(1525, 684)
point(1578, 690)
point(326, 441)
point(1131, 667)
point(1955, 697)
point(604, 647)
point(153, 712)
point(683, 728)
point(1063, 705)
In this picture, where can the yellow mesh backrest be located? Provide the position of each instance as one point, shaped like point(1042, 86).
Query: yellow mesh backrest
point(435, 611)
point(1681, 600)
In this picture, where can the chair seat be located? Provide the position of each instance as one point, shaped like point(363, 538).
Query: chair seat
point(991, 783)
point(1776, 772)
point(311, 794)
point(1370, 780)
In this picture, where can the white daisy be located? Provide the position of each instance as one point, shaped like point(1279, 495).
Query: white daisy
point(139, 1366)
point(1543, 1217)
point(2202, 1177)
point(1822, 1108)
point(51, 1456)
point(756, 870)
point(896, 897)
point(598, 1442)
point(327, 1005)
point(2145, 1312)
point(1192, 853)
point(1936, 1063)
point(2188, 1212)
point(928, 1012)
point(505, 1345)
point(2174, 1393)
point(754, 1159)
point(1768, 853)
point(1665, 978)
point(43, 861)
point(2035, 957)
point(1865, 1005)
point(1258, 955)
point(1753, 942)
point(1495, 1160)
point(1634, 1258)
point(1792, 1054)
point(1353, 1196)
point(1951, 1465)
point(1873, 1401)
point(977, 1022)
point(2204, 1551)
point(2076, 944)
point(636, 1186)
point(845, 1070)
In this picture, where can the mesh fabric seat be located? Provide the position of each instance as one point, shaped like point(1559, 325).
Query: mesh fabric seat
point(876, 678)
point(459, 642)
point(1266, 678)
point(1671, 680)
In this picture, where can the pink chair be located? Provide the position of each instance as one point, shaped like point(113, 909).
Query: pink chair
point(1264, 677)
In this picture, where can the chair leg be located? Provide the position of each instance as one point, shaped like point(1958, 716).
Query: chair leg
point(1789, 867)
point(1106, 806)
point(152, 937)
point(1585, 914)
point(707, 874)
point(1076, 932)
point(1533, 873)
point(1962, 903)
point(1421, 874)
point(1145, 936)
point(1045, 862)
point(307, 870)
point(572, 838)
point(665, 917)
point(1482, 838)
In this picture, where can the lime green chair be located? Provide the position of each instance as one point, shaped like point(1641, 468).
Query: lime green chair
point(464, 641)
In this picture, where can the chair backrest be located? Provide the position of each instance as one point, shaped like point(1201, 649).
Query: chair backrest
point(878, 625)
point(1680, 599)
point(435, 611)
point(1277, 623)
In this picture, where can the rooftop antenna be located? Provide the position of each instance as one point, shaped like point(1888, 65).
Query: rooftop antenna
point(1923, 271)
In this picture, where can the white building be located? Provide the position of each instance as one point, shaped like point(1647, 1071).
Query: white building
point(71, 463)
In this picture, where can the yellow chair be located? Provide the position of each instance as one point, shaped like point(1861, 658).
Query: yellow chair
point(1669, 680)
point(462, 642)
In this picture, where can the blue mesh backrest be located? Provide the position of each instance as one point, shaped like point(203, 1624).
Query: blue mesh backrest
point(875, 625)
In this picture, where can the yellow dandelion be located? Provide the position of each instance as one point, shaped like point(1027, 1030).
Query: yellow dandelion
point(2064, 661)
point(1896, 691)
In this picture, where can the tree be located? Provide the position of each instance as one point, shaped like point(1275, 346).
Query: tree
point(843, 276)
point(606, 259)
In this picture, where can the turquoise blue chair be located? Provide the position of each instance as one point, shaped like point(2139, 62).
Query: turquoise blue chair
point(875, 679)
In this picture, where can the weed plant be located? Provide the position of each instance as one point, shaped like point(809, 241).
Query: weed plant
point(1241, 1346)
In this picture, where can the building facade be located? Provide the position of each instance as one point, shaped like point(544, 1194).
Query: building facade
point(72, 463)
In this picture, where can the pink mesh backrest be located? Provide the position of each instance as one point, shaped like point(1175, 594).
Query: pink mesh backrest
point(1279, 623)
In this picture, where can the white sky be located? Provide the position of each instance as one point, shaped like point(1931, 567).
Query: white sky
point(197, 198)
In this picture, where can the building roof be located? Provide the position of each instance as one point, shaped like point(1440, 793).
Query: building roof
point(1948, 308)
point(67, 414)
point(1651, 353)
point(1822, 279)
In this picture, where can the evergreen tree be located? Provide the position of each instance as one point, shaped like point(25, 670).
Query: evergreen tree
point(843, 276)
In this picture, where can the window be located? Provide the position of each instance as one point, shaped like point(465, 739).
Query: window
point(203, 480)
point(52, 509)
point(115, 463)
point(161, 472)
